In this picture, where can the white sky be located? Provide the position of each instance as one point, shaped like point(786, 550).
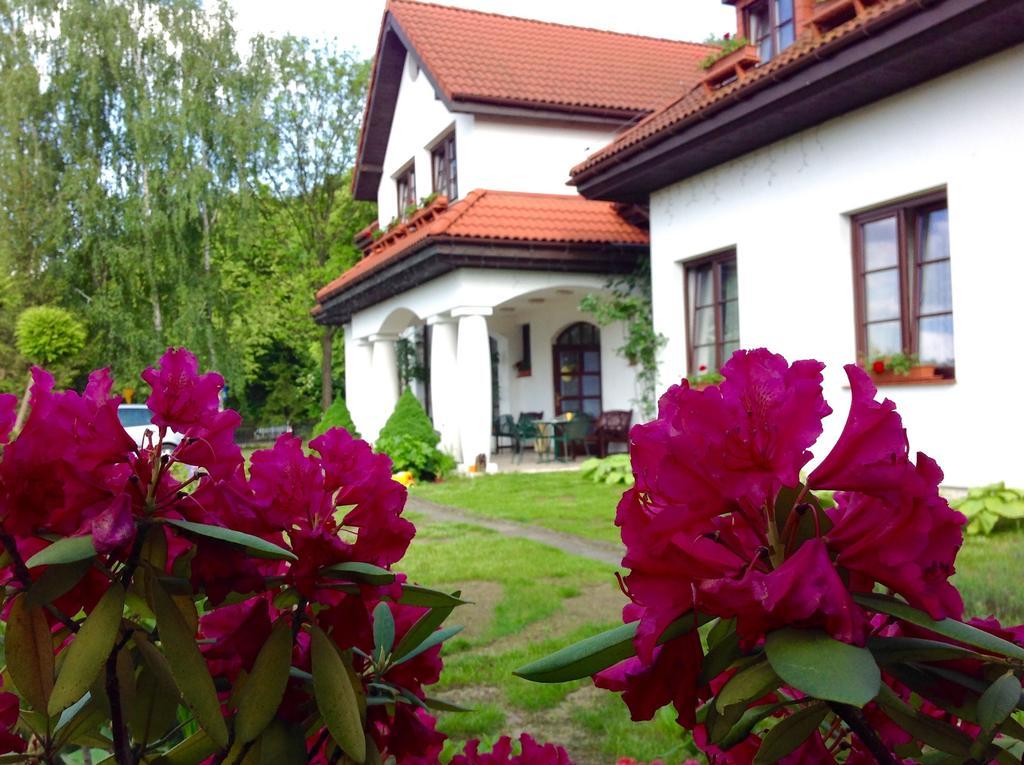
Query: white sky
point(355, 23)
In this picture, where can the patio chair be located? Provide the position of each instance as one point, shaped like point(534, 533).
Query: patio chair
point(611, 427)
point(575, 431)
point(505, 428)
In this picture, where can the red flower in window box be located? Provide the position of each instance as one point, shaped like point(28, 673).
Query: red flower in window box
point(878, 367)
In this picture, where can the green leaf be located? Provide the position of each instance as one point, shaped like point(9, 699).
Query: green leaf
point(599, 652)
point(55, 581)
point(193, 750)
point(88, 651)
point(790, 733)
point(265, 685)
point(383, 629)
point(950, 628)
point(281, 744)
point(188, 666)
point(720, 656)
point(929, 730)
point(67, 550)
point(355, 571)
point(443, 706)
point(889, 650)
point(30, 653)
point(414, 595)
point(998, 701)
point(255, 546)
point(433, 639)
point(823, 667)
point(335, 697)
point(421, 630)
point(747, 686)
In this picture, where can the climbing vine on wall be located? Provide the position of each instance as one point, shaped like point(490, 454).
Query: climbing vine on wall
point(629, 300)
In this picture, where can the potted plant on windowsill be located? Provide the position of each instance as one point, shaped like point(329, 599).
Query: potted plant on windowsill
point(523, 369)
point(901, 368)
point(704, 378)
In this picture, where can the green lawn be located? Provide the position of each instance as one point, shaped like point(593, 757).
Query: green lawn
point(990, 569)
point(990, 572)
point(563, 501)
point(529, 600)
point(532, 599)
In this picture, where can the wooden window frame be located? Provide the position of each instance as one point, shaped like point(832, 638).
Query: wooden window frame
point(406, 173)
point(774, 25)
point(715, 260)
point(581, 350)
point(444, 152)
point(909, 214)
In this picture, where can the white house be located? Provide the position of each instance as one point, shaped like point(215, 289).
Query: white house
point(481, 251)
point(848, 189)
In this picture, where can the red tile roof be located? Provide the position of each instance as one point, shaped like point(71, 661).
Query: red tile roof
point(502, 216)
point(476, 56)
point(695, 103)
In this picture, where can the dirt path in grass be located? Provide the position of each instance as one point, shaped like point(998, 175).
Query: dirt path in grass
point(569, 543)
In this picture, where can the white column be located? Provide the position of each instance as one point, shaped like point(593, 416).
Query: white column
point(473, 391)
point(383, 393)
point(358, 373)
point(443, 382)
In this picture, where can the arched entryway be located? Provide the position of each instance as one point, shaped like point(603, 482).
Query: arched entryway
point(577, 365)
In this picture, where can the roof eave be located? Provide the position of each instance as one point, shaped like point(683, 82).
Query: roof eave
point(439, 255)
point(850, 73)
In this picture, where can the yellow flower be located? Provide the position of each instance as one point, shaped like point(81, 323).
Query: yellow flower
point(405, 478)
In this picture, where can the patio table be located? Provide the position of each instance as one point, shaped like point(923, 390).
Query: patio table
point(549, 433)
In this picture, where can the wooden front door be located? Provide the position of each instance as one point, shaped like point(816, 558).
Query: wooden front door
point(577, 366)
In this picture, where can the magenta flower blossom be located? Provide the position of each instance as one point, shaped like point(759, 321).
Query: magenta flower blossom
point(531, 753)
point(182, 398)
point(719, 522)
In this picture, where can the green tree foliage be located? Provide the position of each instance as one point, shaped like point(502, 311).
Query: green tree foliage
point(409, 439)
point(337, 416)
point(169, 190)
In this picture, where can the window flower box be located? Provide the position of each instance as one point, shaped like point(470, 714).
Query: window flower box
point(732, 65)
point(829, 14)
point(916, 374)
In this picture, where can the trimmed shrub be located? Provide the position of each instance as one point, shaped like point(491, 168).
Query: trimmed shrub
point(409, 439)
point(336, 416)
point(49, 335)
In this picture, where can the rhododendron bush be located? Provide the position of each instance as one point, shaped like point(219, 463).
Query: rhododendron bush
point(174, 607)
point(783, 631)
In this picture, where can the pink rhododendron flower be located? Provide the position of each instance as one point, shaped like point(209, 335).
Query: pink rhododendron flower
point(182, 398)
point(531, 753)
point(8, 415)
point(718, 522)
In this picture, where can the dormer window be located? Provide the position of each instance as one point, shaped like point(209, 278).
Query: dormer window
point(770, 26)
point(443, 167)
point(405, 184)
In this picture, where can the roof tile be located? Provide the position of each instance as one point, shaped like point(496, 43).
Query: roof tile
point(501, 215)
point(476, 56)
point(695, 101)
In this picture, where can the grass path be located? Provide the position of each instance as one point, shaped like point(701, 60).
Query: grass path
point(529, 599)
point(603, 552)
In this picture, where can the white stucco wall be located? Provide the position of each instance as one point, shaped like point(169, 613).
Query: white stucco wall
point(420, 118)
point(785, 209)
point(507, 294)
point(524, 155)
point(492, 153)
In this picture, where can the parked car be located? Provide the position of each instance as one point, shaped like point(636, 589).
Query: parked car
point(137, 420)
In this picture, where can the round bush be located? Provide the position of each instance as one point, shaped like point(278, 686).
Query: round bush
point(49, 335)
